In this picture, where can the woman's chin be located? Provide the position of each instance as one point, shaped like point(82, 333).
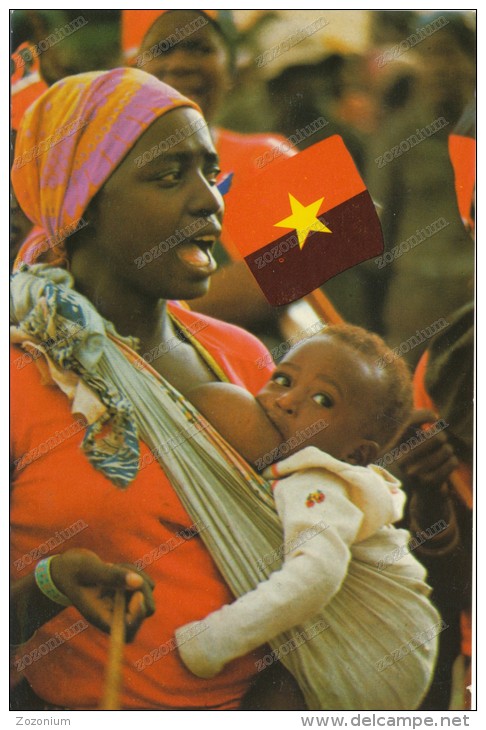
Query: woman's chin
point(196, 290)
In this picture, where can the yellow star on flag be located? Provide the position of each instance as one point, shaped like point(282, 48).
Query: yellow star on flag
point(303, 219)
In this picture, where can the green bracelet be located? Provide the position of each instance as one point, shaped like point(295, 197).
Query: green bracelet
point(45, 583)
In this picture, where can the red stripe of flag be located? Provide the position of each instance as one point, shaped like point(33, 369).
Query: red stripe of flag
point(305, 219)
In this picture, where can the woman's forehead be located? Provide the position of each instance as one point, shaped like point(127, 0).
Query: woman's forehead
point(179, 129)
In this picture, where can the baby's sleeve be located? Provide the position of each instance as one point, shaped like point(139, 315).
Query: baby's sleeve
point(320, 524)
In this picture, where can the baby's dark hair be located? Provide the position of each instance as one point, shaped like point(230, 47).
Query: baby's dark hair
point(394, 400)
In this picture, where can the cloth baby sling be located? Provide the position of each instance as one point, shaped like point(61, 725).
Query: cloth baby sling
point(215, 485)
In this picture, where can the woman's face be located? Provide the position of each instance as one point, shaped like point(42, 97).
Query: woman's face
point(196, 65)
point(154, 222)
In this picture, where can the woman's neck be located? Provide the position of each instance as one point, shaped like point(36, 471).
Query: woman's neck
point(132, 313)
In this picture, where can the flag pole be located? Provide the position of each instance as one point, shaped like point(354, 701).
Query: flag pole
point(323, 307)
point(113, 676)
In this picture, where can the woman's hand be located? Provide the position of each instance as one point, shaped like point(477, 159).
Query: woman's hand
point(91, 584)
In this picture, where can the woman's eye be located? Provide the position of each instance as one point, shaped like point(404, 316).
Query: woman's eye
point(281, 379)
point(169, 178)
point(322, 399)
point(213, 175)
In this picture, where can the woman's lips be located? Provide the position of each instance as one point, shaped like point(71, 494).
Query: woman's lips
point(197, 254)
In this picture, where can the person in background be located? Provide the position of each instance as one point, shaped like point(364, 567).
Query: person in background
point(428, 267)
point(68, 42)
point(444, 384)
point(302, 93)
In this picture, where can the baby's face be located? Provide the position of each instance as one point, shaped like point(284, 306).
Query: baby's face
point(322, 381)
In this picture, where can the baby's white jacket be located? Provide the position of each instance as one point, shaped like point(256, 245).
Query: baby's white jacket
point(332, 513)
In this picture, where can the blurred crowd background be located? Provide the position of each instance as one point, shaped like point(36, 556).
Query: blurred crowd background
point(376, 77)
point(395, 85)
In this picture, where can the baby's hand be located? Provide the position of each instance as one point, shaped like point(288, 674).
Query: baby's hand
point(91, 584)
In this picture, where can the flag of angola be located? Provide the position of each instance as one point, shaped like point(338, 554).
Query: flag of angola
point(303, 220)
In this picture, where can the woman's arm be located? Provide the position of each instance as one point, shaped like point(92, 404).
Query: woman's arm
point(90, 585)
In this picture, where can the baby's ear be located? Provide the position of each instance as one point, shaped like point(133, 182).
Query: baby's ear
point(365, 453)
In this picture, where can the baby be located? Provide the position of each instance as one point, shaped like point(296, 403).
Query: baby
point(330, 411)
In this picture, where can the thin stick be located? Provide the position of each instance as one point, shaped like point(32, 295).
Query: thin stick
point(462, 487)
point(113, 676)
point(323, 307)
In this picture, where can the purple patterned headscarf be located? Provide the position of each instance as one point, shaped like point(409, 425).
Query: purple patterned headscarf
point(69, 143)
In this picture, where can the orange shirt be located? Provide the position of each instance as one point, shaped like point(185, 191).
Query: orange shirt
point(56, 488)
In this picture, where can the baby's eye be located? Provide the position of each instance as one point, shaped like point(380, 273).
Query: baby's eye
point(281, 379)
point(322, 399)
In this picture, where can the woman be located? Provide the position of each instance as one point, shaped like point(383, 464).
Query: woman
point(201, 66)
point(78, 148)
